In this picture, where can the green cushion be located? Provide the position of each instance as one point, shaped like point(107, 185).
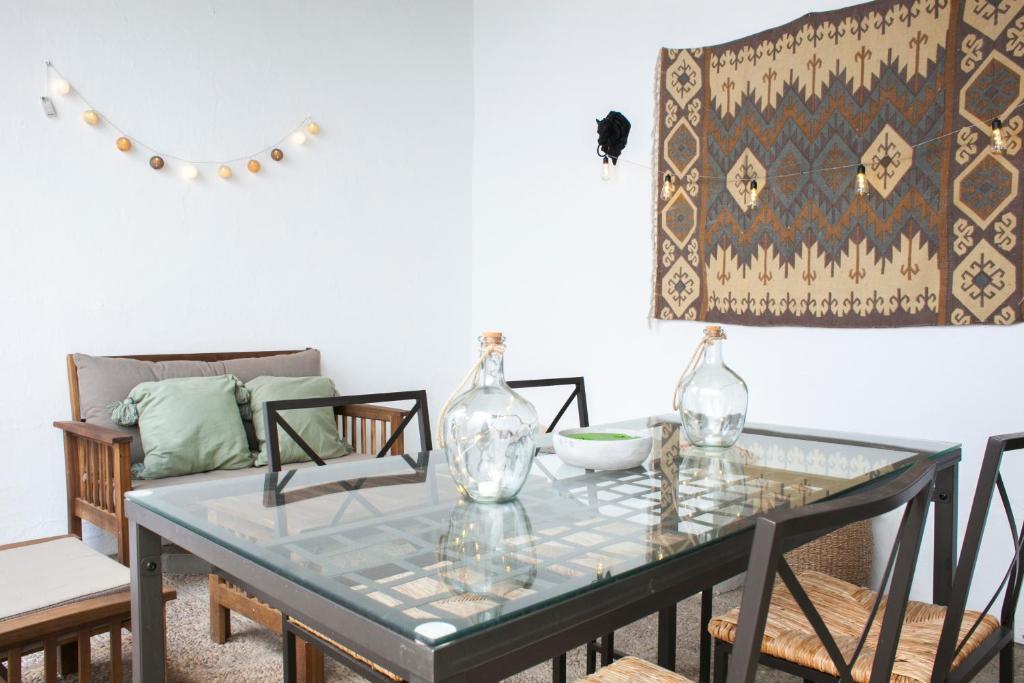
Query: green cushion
point(189, 425)
point(318, 427)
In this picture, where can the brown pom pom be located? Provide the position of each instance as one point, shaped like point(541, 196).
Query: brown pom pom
point(276, 154)
point(156, 162)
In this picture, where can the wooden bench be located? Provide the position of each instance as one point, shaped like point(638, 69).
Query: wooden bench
point(63, 632)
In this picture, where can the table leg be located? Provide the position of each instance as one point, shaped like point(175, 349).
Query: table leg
point(290, 652)
point(706, 599)
point(608, 649)
point(945, 526)
point(667, 638)
point(148, 646)
point(558, 674)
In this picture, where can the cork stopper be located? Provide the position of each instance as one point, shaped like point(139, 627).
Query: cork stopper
point(492, 337)
point(714, 332)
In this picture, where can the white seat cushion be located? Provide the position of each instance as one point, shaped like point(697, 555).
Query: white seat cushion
point(51, 573)
point(140, 484)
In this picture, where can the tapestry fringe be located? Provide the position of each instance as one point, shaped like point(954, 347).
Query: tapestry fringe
point(654, 194)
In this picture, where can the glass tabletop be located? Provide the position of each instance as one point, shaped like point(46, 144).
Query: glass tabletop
point(391, 539)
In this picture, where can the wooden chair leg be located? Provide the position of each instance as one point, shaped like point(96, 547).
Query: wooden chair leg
point(68, 655)
point(220, 616)
point(84, 657)
point(50, 661)
point(122, 541)
point(116, 666)
point(14, 666)
point(309, 662)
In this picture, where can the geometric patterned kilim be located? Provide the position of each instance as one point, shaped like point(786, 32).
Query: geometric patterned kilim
point(938, 240)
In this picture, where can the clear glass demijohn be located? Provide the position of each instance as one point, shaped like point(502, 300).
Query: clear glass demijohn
point(710, 397)
point(488, 432)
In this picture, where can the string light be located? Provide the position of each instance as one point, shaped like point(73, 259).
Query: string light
point(125, 142)
point(998, 144)
point(606, 169)
point(862, 182)
point(666, 186)
point(752, 199)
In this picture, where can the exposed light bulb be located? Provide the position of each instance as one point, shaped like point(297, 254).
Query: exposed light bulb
point(189, 172)
point(752, 195)
point(666, 187)
point(606, 169)
point(998, 144)
point(61, 86)
point(298, 138)
point(224, 171)
point(90, 117)
point(862, 182)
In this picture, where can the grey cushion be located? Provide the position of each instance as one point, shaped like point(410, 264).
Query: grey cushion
point(103, 381)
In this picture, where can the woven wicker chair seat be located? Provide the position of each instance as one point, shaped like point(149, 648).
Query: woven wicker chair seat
point(633, 670)
point(845, 608)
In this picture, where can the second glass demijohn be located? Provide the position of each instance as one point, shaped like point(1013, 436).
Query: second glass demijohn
point(710, 397)
point(488, 431)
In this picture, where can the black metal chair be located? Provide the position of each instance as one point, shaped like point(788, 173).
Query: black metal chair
point(966, 640)
point(954, 661)
point(579, 393)
point(347, 407)
point(775, 534)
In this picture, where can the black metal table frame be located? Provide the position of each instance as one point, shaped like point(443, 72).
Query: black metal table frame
point(503, 649)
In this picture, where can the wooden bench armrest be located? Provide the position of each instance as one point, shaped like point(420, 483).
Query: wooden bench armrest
point(371, 412)
point(97, 466)
point(104, 435)
point(367, 426)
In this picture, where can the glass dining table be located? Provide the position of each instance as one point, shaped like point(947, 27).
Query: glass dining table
point(382, 557)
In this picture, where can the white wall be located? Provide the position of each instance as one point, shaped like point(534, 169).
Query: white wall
point(358, 244)
point(562, 261)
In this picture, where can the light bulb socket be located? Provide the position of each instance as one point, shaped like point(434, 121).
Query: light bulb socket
point(753, 185)
point(996, 124)
point(861, 170)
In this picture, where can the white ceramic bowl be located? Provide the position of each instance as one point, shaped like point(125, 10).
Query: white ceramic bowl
point(620, 454)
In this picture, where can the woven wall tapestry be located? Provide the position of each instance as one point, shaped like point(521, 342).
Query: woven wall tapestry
point(937, 242)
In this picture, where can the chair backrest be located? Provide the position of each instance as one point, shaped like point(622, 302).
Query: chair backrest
point(990, 481)
point(776, 534)
point(579, 393)
point(273, 418)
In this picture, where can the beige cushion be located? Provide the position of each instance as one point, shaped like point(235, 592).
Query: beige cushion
point(56, 572)
point(216, 475)
point(103, 381)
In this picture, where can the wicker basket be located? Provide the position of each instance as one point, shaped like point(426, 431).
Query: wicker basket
point(846, 554)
